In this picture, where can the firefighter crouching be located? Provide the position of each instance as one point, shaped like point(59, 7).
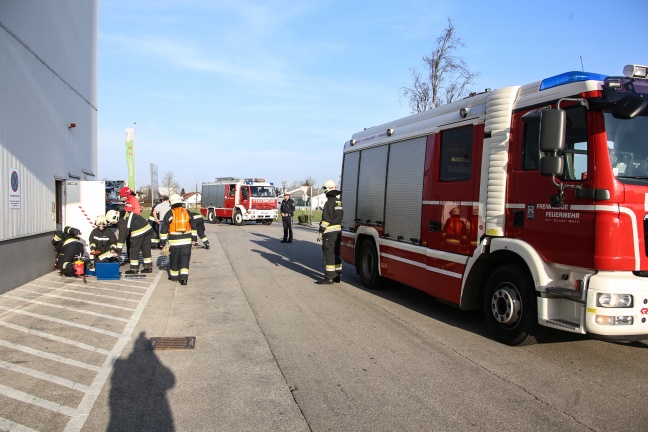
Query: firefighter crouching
point(102, 241)
point(330, 234)
point(179, 229)
point(140, 234)
point(68, 249)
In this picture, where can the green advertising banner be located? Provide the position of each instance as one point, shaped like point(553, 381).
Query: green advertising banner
point(130, 157)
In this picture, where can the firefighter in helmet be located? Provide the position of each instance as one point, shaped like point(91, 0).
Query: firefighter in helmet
point(179, 229)
point(140, 233)
point(132, 203)
point(330, 234)
point(68, 249)
point(102, 241)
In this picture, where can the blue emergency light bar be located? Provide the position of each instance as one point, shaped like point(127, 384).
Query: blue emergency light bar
point(568, 78)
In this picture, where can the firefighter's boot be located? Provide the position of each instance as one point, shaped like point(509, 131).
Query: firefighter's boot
point(131, 272)
point(336, 279)
point(325, 281)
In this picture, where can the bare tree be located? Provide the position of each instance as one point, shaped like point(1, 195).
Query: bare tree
point(169, 183)
point(448, 75)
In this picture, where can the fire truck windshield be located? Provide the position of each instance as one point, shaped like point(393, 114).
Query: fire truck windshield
point(628, 145)
point(263, 191)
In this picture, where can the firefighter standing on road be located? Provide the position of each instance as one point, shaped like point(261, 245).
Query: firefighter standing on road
point(287, 210)
point(199, 220)
point(330, 234)
point(132, 203)
point(140, 232)
point(179, 228)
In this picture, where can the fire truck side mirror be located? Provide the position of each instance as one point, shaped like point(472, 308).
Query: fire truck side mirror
point(552, 141)
point(553, 124)
point(629, 107)
point(552, 165)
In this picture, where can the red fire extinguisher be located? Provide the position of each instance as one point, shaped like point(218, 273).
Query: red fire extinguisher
point(79, 268)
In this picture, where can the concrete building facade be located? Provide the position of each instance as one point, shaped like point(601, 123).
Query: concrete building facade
point(48, 125)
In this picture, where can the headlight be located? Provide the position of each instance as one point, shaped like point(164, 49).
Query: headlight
point(609, 300)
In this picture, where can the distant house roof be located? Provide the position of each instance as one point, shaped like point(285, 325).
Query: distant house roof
point(190, 194)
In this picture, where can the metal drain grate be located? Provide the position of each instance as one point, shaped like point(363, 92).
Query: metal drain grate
point(172, 343)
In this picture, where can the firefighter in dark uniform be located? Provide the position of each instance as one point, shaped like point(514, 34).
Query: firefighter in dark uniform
point(287, 210)
point(152, 220)
point(179, 229)
point(140, 234)
point(200, 228)
point(330, 234)
point(68, 249)
point(102, 241)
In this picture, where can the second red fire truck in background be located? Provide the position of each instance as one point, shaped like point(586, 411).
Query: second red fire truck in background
point(239, 200)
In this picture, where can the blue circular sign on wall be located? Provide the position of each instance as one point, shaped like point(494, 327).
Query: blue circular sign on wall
point(14, 181)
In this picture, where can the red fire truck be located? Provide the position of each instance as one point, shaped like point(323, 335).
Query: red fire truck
point(239, 200)
point(529, 202)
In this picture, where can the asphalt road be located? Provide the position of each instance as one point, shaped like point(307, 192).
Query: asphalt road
point(274, 351)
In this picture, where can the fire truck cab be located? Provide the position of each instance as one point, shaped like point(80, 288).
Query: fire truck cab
point(239, 200)
point(528, 202)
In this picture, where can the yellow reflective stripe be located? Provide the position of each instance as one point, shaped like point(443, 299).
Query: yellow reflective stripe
point(180, 242)
point(333, 228)
point(141, 231)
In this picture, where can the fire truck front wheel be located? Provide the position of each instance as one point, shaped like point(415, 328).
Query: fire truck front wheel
point(237, 218)
point(368, 265)
point(510, 306)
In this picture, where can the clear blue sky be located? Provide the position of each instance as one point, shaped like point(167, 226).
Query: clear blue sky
point(273, 88)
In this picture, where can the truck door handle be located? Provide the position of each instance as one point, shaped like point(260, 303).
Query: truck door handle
point(435, 226)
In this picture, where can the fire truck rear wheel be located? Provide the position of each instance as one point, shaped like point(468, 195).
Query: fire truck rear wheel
point(211, 217)
point(237, 218)
point(368, 265)
point(510, 306)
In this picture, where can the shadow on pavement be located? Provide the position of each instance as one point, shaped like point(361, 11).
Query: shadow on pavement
point(138, 390)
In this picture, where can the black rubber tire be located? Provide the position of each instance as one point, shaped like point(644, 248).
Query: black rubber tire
point(237, 218)
point(367, 265)
point(267, 222)
point(510, 306)
point(211, 217)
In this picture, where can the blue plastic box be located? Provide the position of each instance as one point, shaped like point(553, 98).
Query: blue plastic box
point(107, 271)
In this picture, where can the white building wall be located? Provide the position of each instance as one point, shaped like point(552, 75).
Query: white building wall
point(48, 79)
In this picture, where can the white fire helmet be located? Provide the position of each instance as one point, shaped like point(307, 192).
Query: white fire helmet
point(329, 185)
point(112, 217)
point(101, 220)
point(175, 199)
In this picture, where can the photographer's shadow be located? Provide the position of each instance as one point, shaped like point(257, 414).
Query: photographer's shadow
point(138, 390)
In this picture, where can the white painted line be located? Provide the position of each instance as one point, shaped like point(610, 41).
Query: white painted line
point(13, 427)
point(54, 338)
point(67, 308)
point(85, 406)
point(84, 292)
point(60, 321)
point(49, 356)
point(22, 290)
point(33, 400)
point(45, 376)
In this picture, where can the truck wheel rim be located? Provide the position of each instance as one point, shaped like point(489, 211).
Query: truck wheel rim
point(506, 306)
